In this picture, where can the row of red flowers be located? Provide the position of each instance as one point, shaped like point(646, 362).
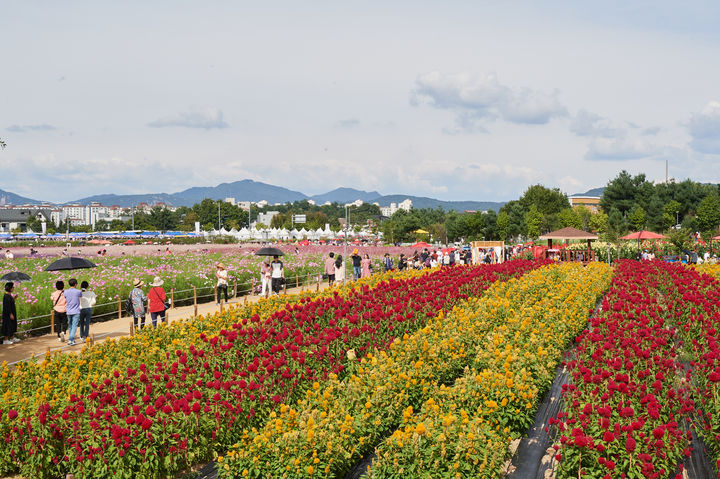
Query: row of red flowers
point(627, 409)
point(155, 419)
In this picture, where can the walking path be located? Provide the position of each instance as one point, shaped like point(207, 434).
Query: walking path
point(118, 327)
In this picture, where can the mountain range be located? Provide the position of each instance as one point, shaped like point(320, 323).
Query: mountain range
point(249, 190)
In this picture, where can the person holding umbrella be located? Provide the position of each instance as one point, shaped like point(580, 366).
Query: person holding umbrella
point(58, 299)
point(72, 309)
point(9, 315)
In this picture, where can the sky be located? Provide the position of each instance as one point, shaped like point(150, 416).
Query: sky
point(456, 100)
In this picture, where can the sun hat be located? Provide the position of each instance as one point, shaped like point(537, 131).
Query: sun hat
point(137, 283)
point(157, 281)
point(220, 265)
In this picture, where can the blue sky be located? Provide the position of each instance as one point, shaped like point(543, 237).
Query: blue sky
point(455, 100)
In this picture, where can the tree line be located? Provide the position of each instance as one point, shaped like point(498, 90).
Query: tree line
point(628, 203)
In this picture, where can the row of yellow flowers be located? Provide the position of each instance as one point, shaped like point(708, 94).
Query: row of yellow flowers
point(709, 269)
point(56, 377)
point(464, 430)
point(337, 422)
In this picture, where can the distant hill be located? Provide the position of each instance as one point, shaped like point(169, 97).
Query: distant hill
point(345, 195)
point(249, 190)
point(8, 198)
point(245, 190)
point(593, 192)
point(425, 202)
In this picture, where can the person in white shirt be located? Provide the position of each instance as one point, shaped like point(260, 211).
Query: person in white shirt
point(277, 274)
point(222, 282)
point(87, 301)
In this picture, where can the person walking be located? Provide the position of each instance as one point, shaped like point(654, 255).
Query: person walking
point(72, 298)
point(366, 266)
point(265, 279)
point(138, 299)
point(87, 301)
point(402, 262)
point(357, 264)
point(339, 269)
point(222, 282)
point(9, 315)
point(330, 268)
point(58, 299)
point(156, 301)
point(277, 274)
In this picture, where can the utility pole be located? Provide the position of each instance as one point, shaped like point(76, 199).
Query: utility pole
point(218, 216)
point(132, 214)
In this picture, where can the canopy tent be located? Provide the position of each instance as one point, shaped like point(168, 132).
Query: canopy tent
point(643, 235)
point(421, 244)
point(421, 232)
point(570, 233)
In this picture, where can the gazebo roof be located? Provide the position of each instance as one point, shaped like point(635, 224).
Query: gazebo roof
point(569, 233)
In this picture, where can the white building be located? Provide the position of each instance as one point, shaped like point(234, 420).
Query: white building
point(230, 200)
point(266, 218)
point(390, 210)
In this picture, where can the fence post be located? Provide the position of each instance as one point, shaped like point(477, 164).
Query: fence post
point(285, 287)
point(195, 299)
point(317, 287)
point(52, 321)
point(119, 308)
point(235, 294)
point(217, 294)
point(172, 297)
point(297, 281)
point(92, 340)
point(132, 328)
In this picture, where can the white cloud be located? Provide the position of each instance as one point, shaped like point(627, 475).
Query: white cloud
point(586, 123)
point(26, 128)
point(621, 149)
point(704, 128)
point(475, 99)
point(349, 123)
point(204, 118)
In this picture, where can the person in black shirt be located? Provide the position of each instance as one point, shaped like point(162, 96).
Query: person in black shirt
point(9, 315)
point(357, 264)
point(402, 262)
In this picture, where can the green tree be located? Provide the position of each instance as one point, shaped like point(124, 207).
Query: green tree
point(599, 223)
point(503, 225)
point(623, 192)
point(616, 223)
point(708, 213)
point(585, 215)
point(547, 201)
point(34, 224)
point(671, 213)
point(162, 219)
point(569, 217)
point(533, 219)
point(637, 217)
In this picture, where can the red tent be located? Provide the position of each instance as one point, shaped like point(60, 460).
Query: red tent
point(303, 243)
point(129, 242)
point(421, 244)
point(643, 235)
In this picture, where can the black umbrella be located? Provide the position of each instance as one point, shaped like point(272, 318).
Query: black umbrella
point(71, 262)
point(268, 251)
point(15, 277)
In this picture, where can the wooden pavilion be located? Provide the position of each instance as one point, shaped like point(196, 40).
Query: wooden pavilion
point(571, 233)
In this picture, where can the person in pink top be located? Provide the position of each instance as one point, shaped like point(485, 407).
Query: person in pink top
point(265, 273)
point(365, 265)
point(330, 268)
point(59, 308)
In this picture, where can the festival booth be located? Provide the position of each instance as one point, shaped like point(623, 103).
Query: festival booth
point(498, 248)
point(567, 254)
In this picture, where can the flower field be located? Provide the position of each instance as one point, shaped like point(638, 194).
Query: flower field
point(633, 401)
point(503, 348)
point(113, 277)
point(166, 399)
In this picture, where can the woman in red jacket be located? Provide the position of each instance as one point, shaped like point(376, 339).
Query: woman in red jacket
point(156, 301)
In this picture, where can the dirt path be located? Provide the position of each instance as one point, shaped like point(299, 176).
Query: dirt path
point(38, 346)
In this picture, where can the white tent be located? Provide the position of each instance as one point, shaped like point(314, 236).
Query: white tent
point(295, 234)
point(243, 234)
